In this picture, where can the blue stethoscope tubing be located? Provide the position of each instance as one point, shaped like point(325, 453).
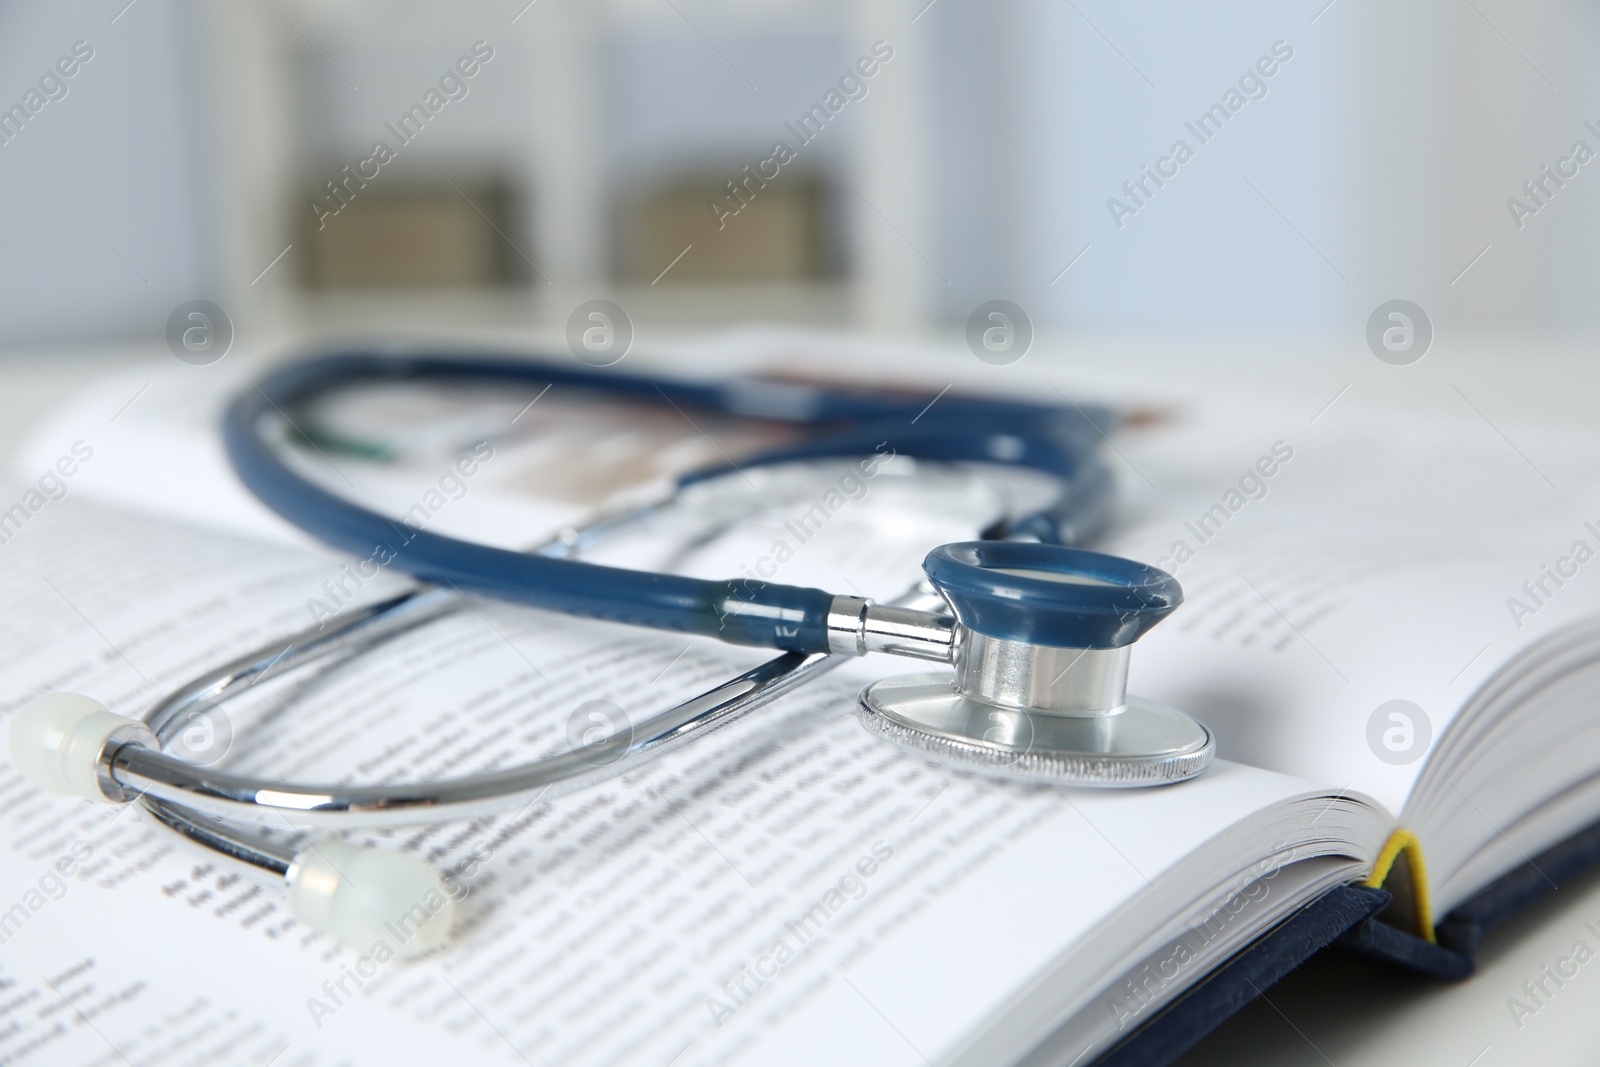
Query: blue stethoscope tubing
point(1037, 634)
point(1060, 441)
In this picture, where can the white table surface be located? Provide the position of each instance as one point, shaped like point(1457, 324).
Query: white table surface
point(1338, 1009)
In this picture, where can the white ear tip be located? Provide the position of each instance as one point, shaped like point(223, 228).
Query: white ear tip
point(380, 903)
point(56, 741)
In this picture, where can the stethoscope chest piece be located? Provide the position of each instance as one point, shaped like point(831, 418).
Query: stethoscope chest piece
point(1041, 646)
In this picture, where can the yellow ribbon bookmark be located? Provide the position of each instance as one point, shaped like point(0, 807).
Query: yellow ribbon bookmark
point(1415, 883)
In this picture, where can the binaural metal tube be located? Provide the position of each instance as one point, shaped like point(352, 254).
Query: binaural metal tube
point(230, 839)
point(222, 795)
point(359, 629)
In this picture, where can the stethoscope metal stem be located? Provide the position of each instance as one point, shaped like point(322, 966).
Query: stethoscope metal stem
point(857, 626)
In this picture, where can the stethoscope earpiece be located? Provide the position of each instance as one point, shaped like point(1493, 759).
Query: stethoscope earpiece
point(62, 743)
point(65, 743)
point(371, 899)
point(1040, 645)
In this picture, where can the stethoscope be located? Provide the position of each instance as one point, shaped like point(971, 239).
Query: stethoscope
point(1038, 632)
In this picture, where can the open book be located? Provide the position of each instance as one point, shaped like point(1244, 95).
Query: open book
point(1389, 627)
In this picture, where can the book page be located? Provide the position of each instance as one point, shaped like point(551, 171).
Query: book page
point(1334, 563)
point(790, 890)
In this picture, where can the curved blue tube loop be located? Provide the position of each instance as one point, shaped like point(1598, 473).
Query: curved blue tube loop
point(744, 612)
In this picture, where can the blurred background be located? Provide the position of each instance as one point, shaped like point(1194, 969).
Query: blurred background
point(1216, 192)
point(628, 149)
